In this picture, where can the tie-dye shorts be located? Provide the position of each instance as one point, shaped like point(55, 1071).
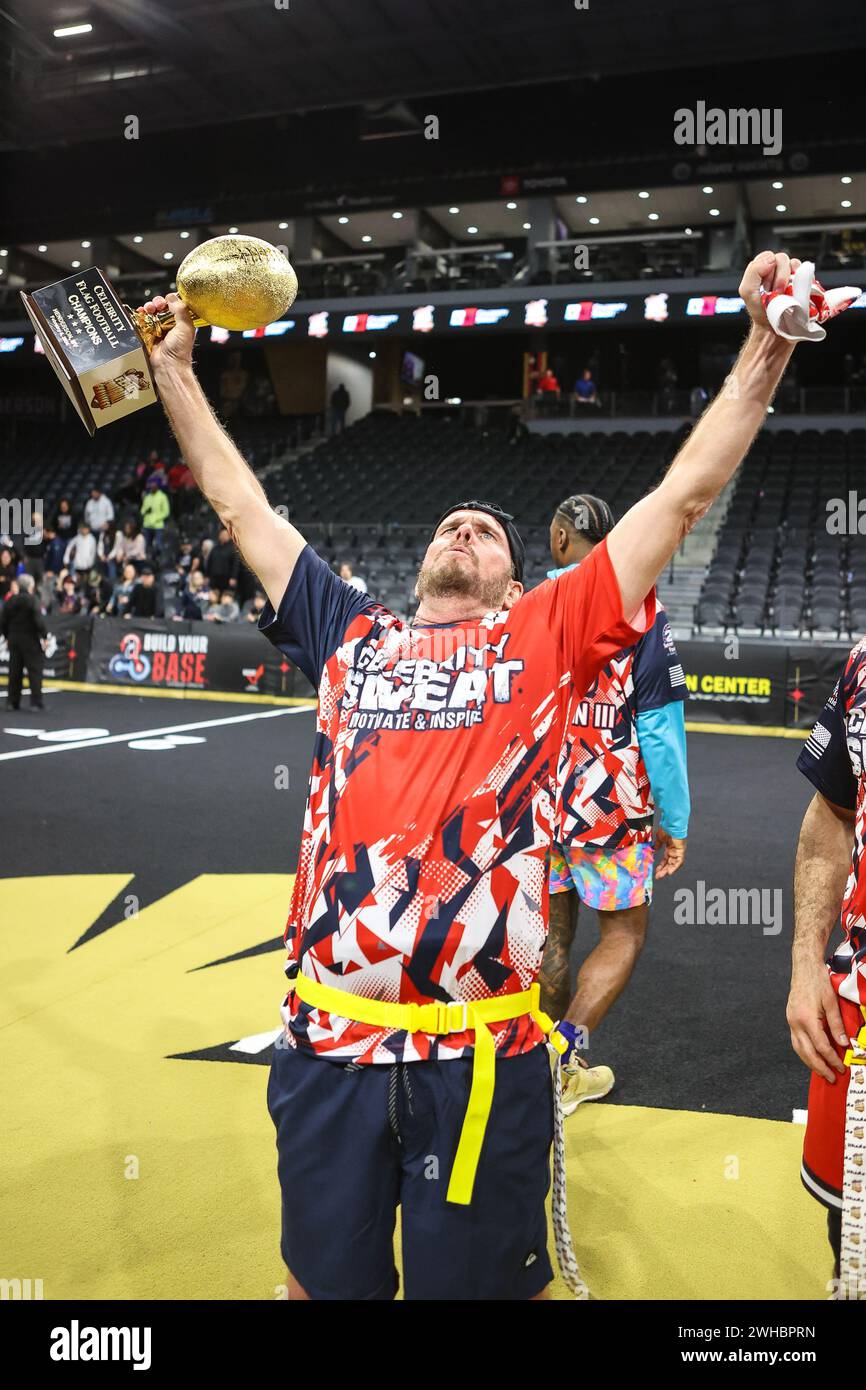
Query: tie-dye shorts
point(606, 879)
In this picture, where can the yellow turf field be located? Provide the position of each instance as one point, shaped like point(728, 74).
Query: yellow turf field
point(663, 1203)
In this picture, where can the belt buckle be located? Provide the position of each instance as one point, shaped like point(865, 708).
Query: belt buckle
point(446, 1024)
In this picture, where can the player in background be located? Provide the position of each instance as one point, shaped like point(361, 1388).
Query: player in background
point(623, 758)
point(413, 1073)
point(825, 1005)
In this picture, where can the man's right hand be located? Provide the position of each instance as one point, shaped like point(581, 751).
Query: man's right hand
point(814, 1017)
point(175, 349)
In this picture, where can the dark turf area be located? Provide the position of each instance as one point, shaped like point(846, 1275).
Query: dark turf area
point(702, 1024)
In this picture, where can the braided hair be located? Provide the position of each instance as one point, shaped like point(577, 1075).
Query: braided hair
point(587, 515)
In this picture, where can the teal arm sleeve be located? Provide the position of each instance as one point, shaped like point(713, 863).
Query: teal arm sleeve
point(662, 737)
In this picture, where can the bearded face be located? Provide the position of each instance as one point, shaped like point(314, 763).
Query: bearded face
point(457, 574)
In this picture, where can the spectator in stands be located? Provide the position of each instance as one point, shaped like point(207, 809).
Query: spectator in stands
point(155, 511)
point(348, 577)
point(64, 521)
point(159, 476)
point(46, 588)
point(67, 598)
point(340, 402)
point(98, 509)
point(97, 591)
point(548, 391)
point(122, 592)
point(23, 625)
point(130, 546)
point(175, 473)
point(585, 389)
point(80, 554)
point(8, 570)
point(54, 548)
point(221, 565)
point(108, 550)
point(144, 599)
point(185, 557)
point(192, 598)
point(254, 607)
point(222, 607)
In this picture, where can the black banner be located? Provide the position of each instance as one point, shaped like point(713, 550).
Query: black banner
point(190, 656)
point(66, 650)
point(812, 673)
point(734, 682)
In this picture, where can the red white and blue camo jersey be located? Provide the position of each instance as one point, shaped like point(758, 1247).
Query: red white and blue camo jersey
point(607, 800)
point(833, 760)
point(423, 863)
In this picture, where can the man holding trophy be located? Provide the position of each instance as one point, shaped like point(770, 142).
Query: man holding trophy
point(412, 1070)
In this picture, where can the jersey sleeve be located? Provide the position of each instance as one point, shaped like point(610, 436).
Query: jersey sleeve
point(582, 609)
point(313, 615)
point(658, 673)
point(824, 756)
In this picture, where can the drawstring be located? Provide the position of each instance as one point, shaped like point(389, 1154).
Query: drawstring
point(565, 1256)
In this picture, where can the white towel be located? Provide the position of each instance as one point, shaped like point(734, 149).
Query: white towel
point(798, 312)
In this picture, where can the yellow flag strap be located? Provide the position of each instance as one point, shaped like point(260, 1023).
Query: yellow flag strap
point(441, 1018)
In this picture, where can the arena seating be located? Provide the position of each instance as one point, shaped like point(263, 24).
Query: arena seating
point(370, 496)
point(777, 570)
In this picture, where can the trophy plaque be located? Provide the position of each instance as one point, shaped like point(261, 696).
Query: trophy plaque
point(99, 347)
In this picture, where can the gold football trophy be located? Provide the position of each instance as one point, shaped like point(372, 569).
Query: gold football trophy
point(99, 347)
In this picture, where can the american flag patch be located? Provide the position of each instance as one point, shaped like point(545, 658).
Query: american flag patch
point(817, 740)
point(677, 675)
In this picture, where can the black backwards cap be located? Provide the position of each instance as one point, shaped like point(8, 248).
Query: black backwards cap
point(590, 516)
point(506, 521)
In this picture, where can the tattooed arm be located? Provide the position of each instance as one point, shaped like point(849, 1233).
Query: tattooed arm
point(554, 975)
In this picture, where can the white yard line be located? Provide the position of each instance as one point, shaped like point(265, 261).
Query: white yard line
point(150, 733)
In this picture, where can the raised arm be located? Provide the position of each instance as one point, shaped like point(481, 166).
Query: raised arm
point(642, 543)
point(269, 544)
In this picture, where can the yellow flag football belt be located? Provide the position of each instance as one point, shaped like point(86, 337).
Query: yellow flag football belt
point(441, 1019)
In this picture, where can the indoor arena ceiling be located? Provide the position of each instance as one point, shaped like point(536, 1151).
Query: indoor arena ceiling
point(182, 63)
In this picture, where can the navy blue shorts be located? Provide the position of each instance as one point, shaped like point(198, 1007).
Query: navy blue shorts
point(355, 1142)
